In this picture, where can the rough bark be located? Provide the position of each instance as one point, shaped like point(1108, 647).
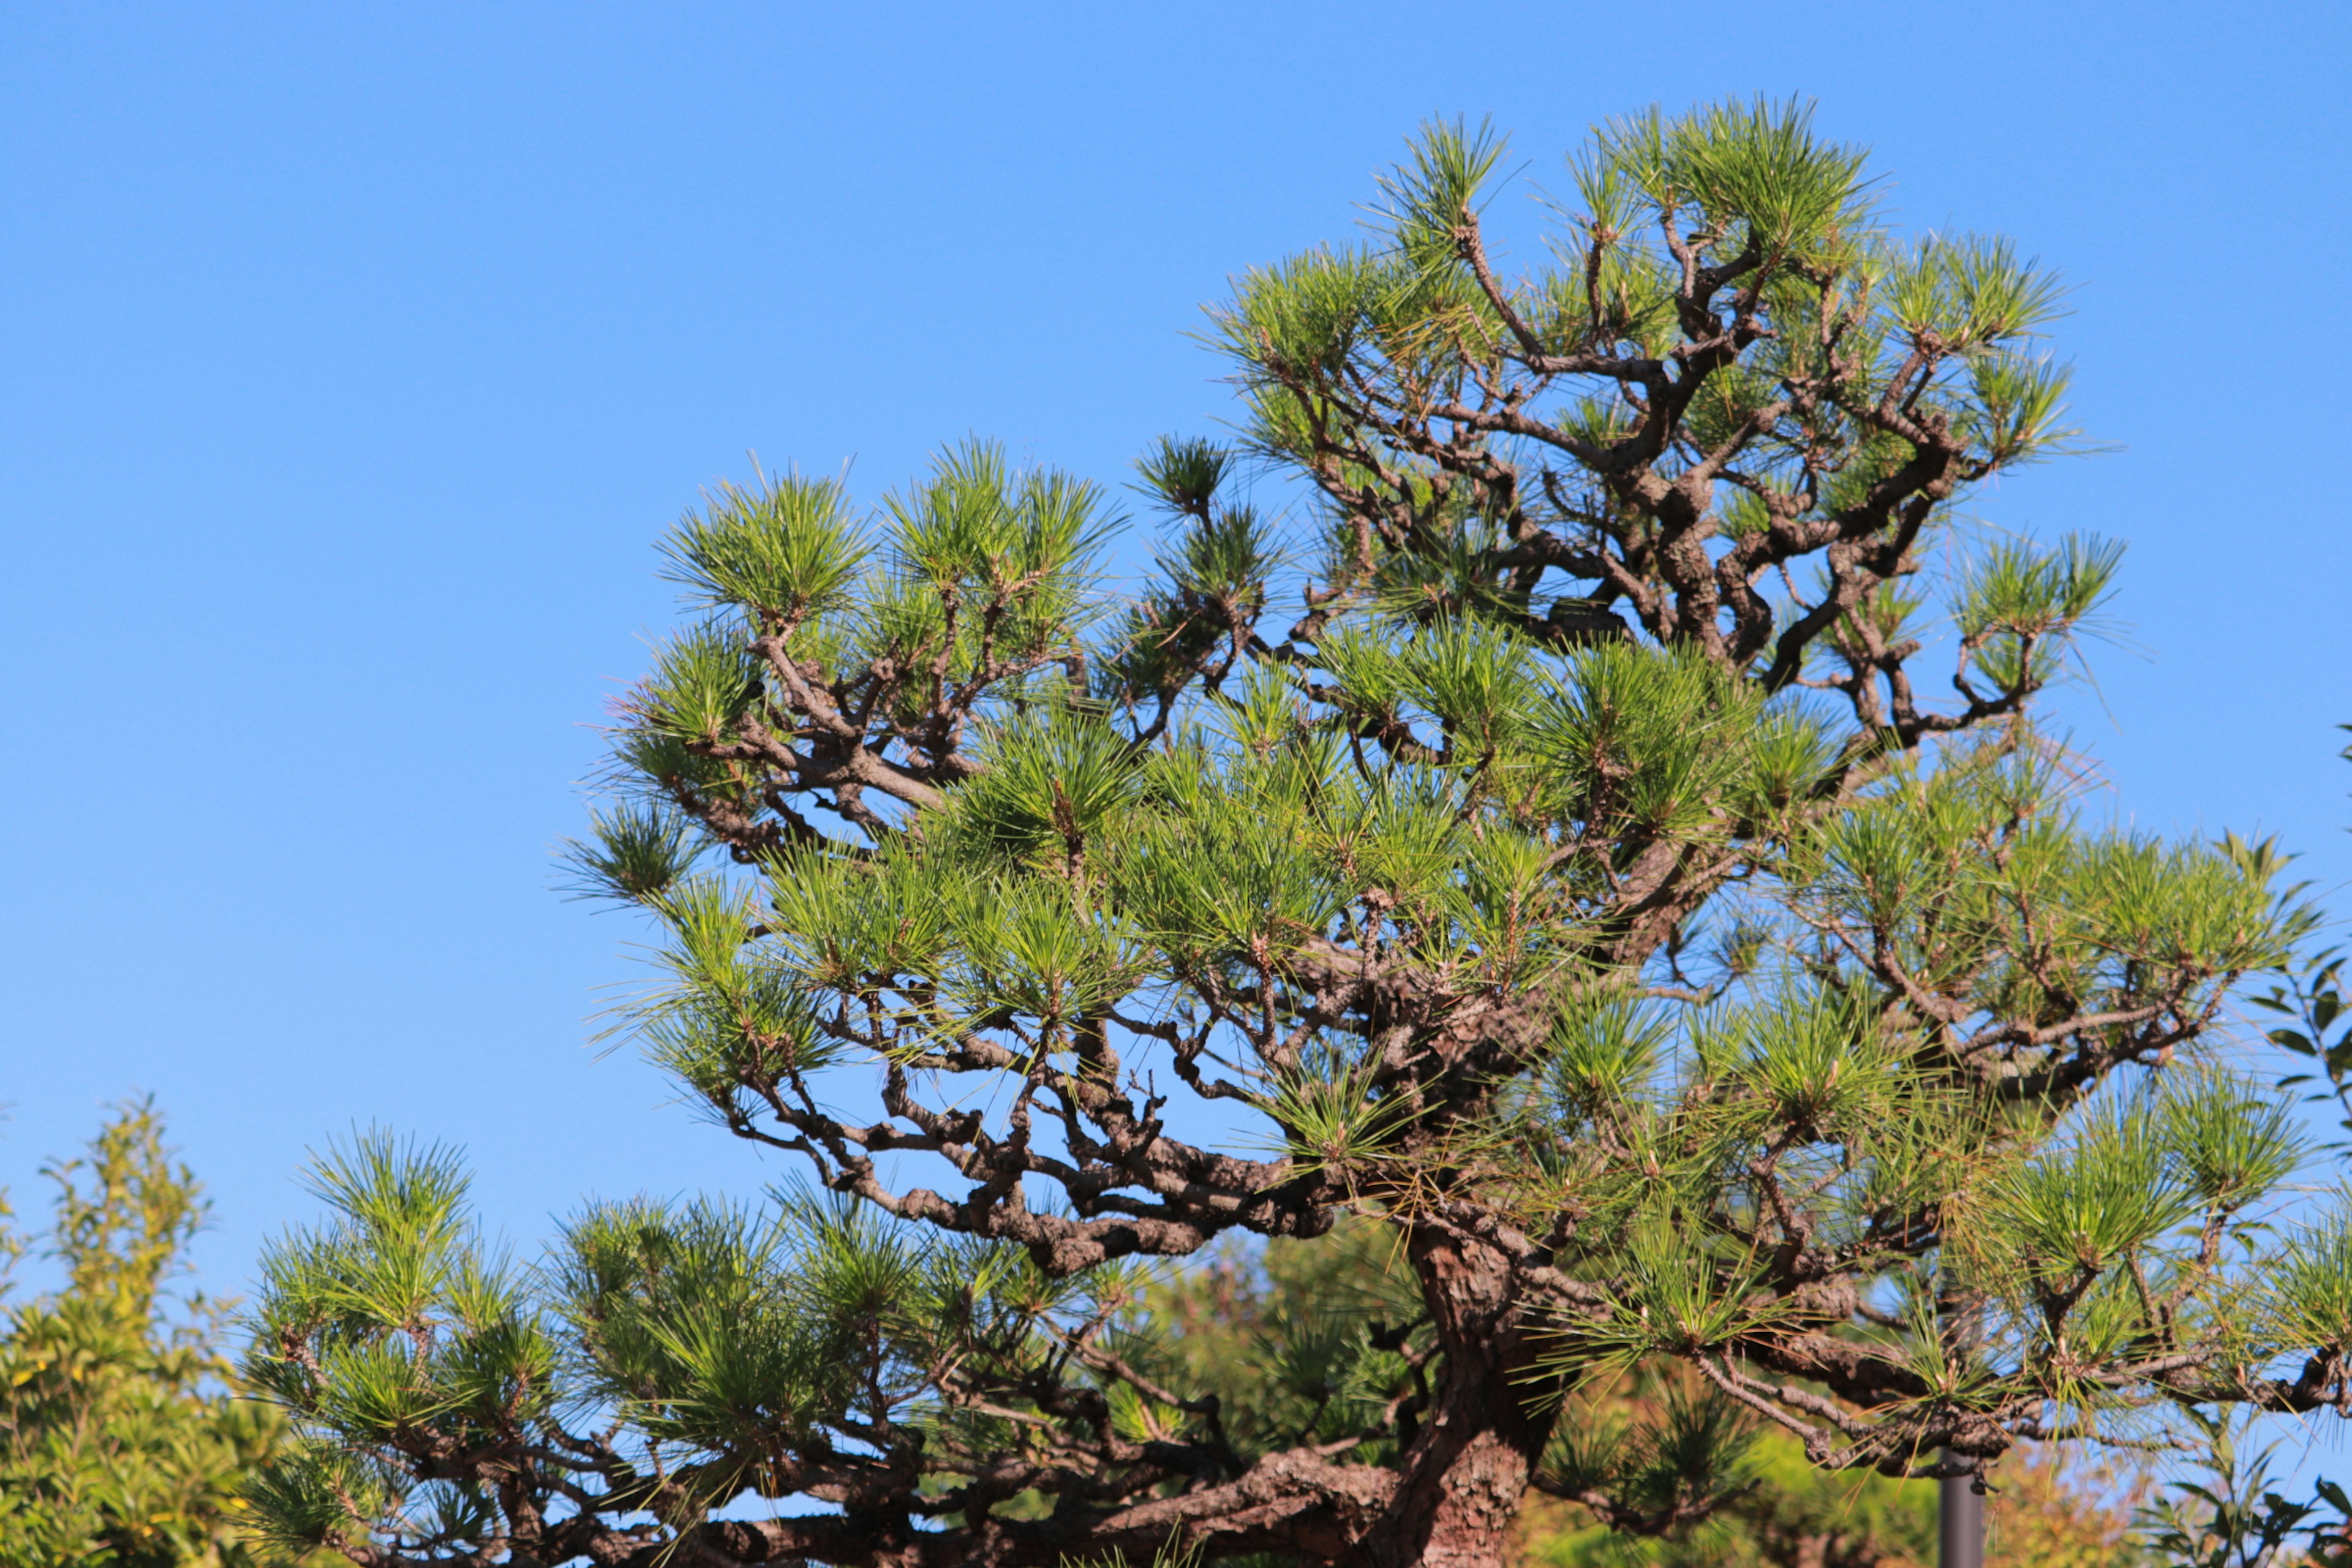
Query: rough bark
point(1467, 1472)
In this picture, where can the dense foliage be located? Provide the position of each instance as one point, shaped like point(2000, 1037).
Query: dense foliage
point(1583, 891)
point(121, 1443)
point(1277, 1333)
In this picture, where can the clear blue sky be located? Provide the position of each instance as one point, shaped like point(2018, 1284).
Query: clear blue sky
point(354, 354)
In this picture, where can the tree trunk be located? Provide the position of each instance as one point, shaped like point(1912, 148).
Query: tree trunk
point(1490, 1414)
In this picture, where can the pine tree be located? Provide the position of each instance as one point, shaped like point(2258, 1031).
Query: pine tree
point(1581, 891)
point(122, 1444)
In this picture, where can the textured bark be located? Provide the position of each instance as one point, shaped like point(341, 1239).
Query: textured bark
point(1468, 1470)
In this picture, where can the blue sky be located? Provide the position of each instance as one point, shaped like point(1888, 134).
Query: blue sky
point(354, 355)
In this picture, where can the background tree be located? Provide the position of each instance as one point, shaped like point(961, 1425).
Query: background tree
point(2232, 1515)
point(1278, 1332)
point(121, 1443)
point(1582, 890)
point(2311, 996)
point(2229, 1514)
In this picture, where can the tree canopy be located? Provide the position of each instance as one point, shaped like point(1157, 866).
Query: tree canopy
point(1584, 890)
point(121, 1443)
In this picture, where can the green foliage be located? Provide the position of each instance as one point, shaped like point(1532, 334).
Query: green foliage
point(1789, 1513)
point(1755, 166)
point(1969, 291)
point(2320, 1031)
point(122, 1444)
point(1575, 949)
point(2311, 1290)
point(2045, 1512)
point(989, 566)
point(719, 1012)
point(1299, 1342)
point(635, 852)
point(723, 1336)
point(703, 684)
point(786, 550)
point(2019, 607)
point(1680, 1451)
point(2233, 1516)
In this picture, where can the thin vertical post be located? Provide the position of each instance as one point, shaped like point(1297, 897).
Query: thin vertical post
point(1960, 1522)
point(1959, 1507)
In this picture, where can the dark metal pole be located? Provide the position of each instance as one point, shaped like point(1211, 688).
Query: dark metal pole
point(1960, 1522)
